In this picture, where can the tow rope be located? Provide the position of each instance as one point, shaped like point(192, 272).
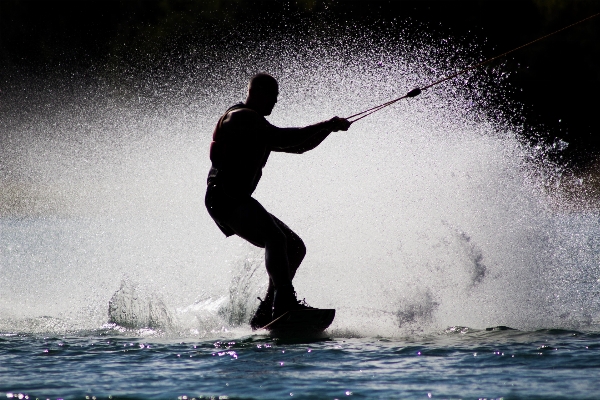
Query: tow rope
point(417, 91)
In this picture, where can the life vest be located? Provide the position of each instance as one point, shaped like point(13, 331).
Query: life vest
point(237, 161)
point(218, 148)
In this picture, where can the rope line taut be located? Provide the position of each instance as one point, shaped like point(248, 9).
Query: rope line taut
point(417, 91)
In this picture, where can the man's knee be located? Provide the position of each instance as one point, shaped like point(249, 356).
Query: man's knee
point(295, 248)
point(301, 249)
point(296, 251)
point(276, 238)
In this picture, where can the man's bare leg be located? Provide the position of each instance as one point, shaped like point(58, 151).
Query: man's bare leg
point(284, 251)
point(296, 250)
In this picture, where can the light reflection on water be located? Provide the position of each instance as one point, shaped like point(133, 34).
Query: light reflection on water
point(475, 364)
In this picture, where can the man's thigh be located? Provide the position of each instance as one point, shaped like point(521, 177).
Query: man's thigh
point(290, 235)
point(252, 222)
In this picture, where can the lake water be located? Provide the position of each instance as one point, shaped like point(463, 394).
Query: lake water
point(456, 363)
point(425, 224)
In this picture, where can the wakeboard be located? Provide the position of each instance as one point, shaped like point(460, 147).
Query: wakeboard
point(301, 322)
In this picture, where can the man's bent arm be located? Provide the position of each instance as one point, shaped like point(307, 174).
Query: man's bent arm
point(300, 140)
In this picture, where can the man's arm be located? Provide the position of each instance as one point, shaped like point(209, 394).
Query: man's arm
point(300, 140)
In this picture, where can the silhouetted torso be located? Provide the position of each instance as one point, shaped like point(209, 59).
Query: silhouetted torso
point(240, 150)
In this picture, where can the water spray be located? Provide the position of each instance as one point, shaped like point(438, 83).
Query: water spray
point(448, 224)
point(417, 91)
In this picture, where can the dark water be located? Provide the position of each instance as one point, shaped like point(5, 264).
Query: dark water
point(456, 363)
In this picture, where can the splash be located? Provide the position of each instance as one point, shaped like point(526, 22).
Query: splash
point(432, 213)
point(130, 307)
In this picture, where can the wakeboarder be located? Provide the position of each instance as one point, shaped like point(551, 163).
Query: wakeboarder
point(242, 142)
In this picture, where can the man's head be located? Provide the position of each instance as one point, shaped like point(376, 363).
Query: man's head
point(262, 93)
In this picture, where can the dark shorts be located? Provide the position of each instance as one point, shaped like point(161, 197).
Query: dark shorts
point(220, 205)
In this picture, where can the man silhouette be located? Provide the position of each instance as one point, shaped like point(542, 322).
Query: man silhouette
point(242, 142)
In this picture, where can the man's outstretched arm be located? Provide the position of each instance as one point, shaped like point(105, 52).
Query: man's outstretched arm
point(300, 140)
